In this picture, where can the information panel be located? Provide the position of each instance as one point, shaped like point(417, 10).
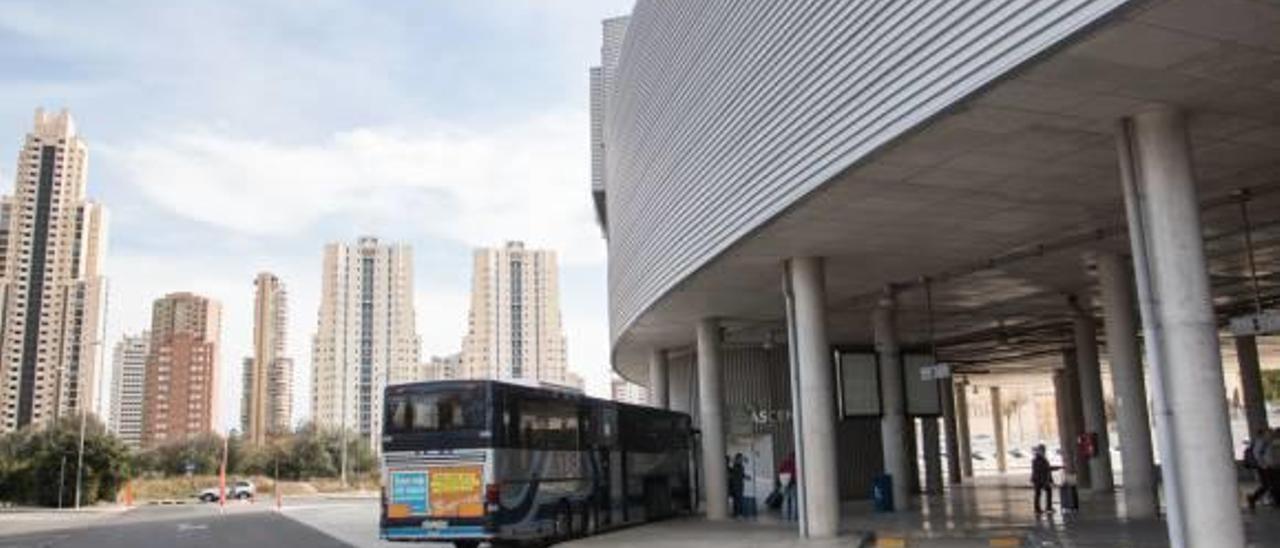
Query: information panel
point(924, 397)
point(859, 384)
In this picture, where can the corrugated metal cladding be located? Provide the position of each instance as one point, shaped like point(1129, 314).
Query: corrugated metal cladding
point(761, 382)
point(726, 112)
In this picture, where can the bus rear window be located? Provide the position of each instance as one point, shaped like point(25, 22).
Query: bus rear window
point(436, 411)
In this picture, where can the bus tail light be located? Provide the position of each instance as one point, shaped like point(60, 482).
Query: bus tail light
point(492, 497)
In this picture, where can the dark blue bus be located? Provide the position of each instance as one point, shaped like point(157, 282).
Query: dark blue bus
point(473, 461)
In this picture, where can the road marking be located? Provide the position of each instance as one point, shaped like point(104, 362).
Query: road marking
point(184, 527)
point(288, 508)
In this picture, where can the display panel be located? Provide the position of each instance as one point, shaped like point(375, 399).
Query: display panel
point(923, 396)
point(859, 384)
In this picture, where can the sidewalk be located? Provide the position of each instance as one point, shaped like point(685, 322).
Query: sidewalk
point(992, 511)
point(17, 520)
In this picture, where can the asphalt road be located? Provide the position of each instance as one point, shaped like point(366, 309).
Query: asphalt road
point(354, 522)
point(193, 526)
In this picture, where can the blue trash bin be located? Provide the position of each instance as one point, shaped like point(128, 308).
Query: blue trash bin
point(882, 493)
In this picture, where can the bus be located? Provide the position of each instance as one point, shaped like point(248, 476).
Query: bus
point(486, 461)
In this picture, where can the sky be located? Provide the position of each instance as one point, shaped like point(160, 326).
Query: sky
point(232, 137)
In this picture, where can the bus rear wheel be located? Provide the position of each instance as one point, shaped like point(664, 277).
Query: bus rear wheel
point(466, 543)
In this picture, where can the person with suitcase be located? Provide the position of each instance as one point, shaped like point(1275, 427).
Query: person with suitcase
point(1042, 479)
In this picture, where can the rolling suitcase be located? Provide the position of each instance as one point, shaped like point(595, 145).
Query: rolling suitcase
point(1068, 498)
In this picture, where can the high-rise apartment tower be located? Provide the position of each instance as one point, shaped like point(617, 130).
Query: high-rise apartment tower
point(514, 330)
point(51, 246)
point(128, 386)
point(365, 336)
point(181, 391)
point(267, 407)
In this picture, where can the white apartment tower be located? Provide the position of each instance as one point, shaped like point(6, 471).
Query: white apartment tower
point(514, 330)
point(441, 368)
point(267, 407)
point(128, 387)
point(626, 391)
point(365, 337)
point(51, 247)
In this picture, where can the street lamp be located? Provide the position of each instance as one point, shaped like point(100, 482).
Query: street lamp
point(102, 356)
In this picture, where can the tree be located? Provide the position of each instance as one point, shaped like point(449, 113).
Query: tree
point(1271, 385)
point(33, 470)
point(308, 452)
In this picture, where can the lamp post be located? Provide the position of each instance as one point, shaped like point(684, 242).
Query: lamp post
point(62, 478)
point(80, 395)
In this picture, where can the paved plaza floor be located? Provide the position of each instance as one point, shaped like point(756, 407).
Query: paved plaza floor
point(992, 511)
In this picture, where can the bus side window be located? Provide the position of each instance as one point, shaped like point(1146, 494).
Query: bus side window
point(549, 424)
point(511, 422)
point(586, 435)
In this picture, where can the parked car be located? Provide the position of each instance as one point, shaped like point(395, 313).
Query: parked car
point(241, 489)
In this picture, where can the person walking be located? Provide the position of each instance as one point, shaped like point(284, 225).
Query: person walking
point(787, 479)
point(1253, 456)
point(737, 484)
point(1042, 479)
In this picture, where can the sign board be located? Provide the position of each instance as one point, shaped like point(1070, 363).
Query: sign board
point(409, 495)
point(190, 468)
point(457, 491)
point(859, 376)
point(935, 372)
point(923, 396)
point(1256, 324)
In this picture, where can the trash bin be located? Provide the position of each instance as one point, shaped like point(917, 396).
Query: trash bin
point(882, 493)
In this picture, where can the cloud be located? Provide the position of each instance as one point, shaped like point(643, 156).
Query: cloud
point(232, 137)
point(524, 181)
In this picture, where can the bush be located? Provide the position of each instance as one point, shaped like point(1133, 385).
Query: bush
point(1271, 385)
point(306, 453)
point(32, 465)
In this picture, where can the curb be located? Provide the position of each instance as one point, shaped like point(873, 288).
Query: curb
point(169, 502)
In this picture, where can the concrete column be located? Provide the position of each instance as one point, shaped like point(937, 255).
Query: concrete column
point(1164, 226)
point(711, 409)
point(1062, 399)
point(658, 385)
point(1075, 416)
point(997, 427)
point(1255, 405)
point(932, 455)
point(962, 429)
point(1089, 373)
point(950, 427)
point(893, 403)
point(817, 406)
point(1132, 421)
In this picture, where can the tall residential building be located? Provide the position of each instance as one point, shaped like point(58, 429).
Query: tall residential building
point(365, 337)
point(51, 248)
point(514, 330)
point(441, 368)
point(128, 387)
point(181, 391)
point(267, 407)
point(613, 30)
point(628, 392)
